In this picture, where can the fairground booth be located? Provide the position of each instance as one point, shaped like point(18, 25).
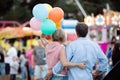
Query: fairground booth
point(103, 27)
point(21, 35)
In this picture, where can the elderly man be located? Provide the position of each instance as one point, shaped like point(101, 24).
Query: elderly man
point(86, 51)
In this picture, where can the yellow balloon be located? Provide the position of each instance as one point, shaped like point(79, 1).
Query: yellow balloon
point(49, 7)
point(58, 25)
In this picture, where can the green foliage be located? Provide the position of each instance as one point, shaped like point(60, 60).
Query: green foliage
point(115, 5)
point(93, 7)
point(5, 6)
point(21, 14)
point(66, 7)
point(20, 10)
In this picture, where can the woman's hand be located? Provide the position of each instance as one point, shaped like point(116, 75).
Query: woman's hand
point(82, 65)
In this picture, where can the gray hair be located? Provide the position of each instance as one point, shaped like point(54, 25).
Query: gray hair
point(59, 35)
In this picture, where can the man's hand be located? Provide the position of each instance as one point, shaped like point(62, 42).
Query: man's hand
point(96, 73)
point(81, 65)
point(49, 76)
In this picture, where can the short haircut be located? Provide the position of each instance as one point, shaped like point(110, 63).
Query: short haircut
point(81, 29)
point(11, 43)
point(58, 35)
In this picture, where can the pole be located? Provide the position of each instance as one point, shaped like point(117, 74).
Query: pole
point(81, 8)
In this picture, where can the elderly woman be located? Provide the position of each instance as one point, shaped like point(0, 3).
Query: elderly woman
point(53, 51)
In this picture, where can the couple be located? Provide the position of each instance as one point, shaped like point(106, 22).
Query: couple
point(79, 57)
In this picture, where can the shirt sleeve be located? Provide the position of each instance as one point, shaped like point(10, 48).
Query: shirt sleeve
point(103, 61)
point(57, 68)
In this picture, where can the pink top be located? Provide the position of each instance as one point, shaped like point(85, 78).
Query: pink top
point(52, 54)
point(29, 57)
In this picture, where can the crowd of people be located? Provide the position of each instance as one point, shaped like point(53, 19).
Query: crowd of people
point(81, 59)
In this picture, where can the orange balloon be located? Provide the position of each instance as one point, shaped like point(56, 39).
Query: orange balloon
point(56, 14)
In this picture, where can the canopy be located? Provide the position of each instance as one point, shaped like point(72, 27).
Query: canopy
point(11, 32)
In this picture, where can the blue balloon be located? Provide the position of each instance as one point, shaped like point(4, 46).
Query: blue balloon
point(48, 27)
point(40, 11)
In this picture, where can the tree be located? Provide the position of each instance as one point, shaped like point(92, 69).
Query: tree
point(5, 6)
point(20, 10)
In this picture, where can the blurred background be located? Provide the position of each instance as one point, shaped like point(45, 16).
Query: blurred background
point(22, 28)
point(20, 10)
point(102, 17)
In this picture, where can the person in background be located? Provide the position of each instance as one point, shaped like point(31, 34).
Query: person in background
point(12, 52)
point(39, 55)
point(31, 62)
point(23, 61)
point(9, 58)
point(112, 42)
point(116, 53)
point(18, 55)
point(2, 64)
point(52, 52)
point(110, 51)
point(7, 67)
point(14, 65)
point(85, 51)
point(114, 74)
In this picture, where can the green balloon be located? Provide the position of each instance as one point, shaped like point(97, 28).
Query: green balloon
point(48, 27)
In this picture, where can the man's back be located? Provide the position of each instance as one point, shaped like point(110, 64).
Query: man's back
point(84, 50)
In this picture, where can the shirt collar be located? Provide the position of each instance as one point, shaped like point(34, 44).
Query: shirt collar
point(82, 38)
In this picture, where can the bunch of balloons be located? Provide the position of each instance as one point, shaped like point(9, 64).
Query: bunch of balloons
point(46, 18)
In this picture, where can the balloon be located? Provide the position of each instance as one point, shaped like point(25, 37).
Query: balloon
point(40, 11)
point(48, 27)
point(49, 7)
point(56, 14)
point(35, 23)
point(58, 25)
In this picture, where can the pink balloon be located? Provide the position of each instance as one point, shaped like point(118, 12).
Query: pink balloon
point(35, 23)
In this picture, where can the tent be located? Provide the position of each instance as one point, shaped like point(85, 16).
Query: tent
point(13, 32)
